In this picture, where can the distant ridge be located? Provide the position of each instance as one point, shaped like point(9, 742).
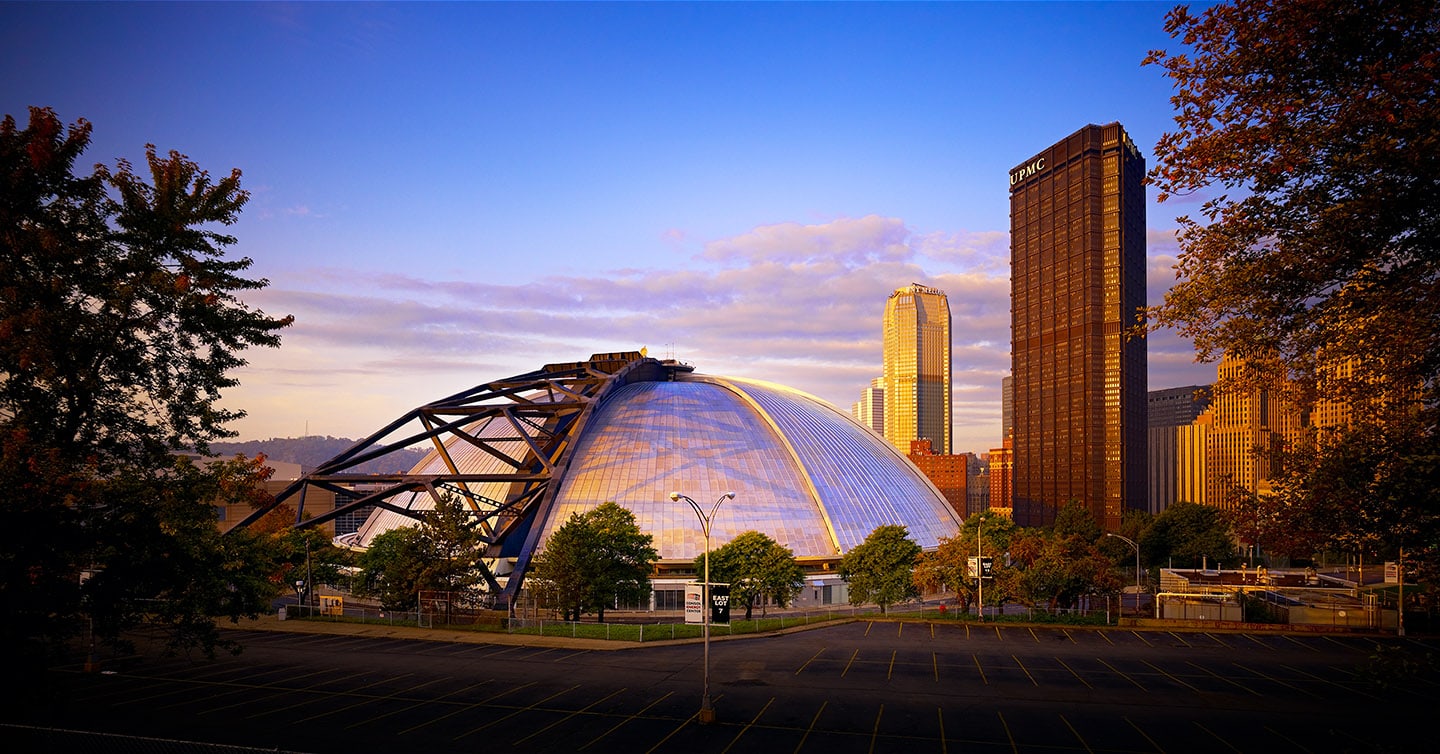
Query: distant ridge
point(313, 450)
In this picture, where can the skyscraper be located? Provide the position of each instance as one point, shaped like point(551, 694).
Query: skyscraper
point(917, 368)
point(1077, 277)
point(870, 409)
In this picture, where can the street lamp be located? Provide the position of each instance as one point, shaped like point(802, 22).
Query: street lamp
point(1131, 542)
point(707, 712)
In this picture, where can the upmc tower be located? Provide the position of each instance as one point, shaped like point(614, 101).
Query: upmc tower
point(1077, 283)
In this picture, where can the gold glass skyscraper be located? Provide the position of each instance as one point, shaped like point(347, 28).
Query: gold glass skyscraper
point(917, 368)
point(1077, 280)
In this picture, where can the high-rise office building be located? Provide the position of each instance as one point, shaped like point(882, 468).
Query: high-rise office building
point(1176, 445)
point(870, 409)
point(917, 368)
point(1077, 277)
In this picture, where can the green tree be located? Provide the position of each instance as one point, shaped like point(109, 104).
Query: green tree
point(756, 567)
point(120, 327)
point(1075, 518)
point(879, 570)
point(1312, 132)
point(1056, 569)
point(948, 565)
point(439, 553)
point(594, 560)
point(1189, 534)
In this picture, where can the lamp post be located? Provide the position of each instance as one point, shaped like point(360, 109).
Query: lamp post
point(1131, 542)
point(707, 712)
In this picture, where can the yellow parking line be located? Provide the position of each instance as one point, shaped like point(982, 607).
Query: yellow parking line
point(868, 624)
point(1105, 635)
point(998, 634)
point(1332, 683)
point(891, 670)
point(982, 670)
point(807, 662)
point(1068, 636)
point(899, 629)
point(1219, 640)
point(1144, 735)
point(1078, 737)
point(502, 719)
point(1276, 680)
point(848, 664)
point(875, 732)
point(935, 665)
point(366, 700)
point(1033, 635)
point(1141, 638)
point(1118, 672)
point(1217, 737)
point(747, 727)
point(1257, 641)
point(1013, 748)
point(1227, 680)
point(480, 703)
point(1288, 739)
point(1027, 672)
point(1072, 672)
point(398, 710)
point(582, 710)
point(813, 720)
point(944, 745)
point(1181, 638)
point(616, 727)
point(1171, 677)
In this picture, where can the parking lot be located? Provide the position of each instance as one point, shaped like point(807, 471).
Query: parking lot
point(867, 686)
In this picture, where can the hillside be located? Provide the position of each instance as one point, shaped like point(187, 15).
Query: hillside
point(313, 450)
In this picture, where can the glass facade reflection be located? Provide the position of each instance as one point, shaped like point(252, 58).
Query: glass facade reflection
point(803, 473)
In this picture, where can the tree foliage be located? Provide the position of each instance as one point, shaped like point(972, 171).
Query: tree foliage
point(1054, 568)
point(120, 326)
point(1189, 534)
point(594, 560)
point(948, 565)
point(1314, 130)
point(879, 570)
point(756, 567)
point(440, 553)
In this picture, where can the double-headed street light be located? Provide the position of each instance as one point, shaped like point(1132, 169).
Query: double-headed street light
point(1131, 542)
point(707, 712)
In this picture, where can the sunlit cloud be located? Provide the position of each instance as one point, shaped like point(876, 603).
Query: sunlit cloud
point(796, 304)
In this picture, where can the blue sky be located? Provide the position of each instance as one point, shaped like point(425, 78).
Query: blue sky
point(447, 194)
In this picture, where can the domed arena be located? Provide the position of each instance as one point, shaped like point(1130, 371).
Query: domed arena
point(528, 452)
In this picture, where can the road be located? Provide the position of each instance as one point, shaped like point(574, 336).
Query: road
point(857, 687)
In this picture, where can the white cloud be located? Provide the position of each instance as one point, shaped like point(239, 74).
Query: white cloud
point(796, 304)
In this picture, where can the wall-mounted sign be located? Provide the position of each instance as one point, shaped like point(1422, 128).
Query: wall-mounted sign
point(1025, 171)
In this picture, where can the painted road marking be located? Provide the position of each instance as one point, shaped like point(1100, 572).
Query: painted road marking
point(1144, 735)
point(1299, 643)
point(616, 727)
point(875, 732)
point(891, 671)
point(997, 633)
point(982, 670)
point(502, 719)
point(848, 664)
point(586, 708)
point(813, 720)
point(367, 699)
point(1217, 737)
point(944, 745)
point(1276, 680)
point(807, 662)
point(935, 665)
point(1068, 636)
point(1141, 638)
point(1033, 635)
point(247, 687)
point(1219, 641)
point(1117, 671)
point(1246, 689)
point(1171, 677)
point(1027, 671)
point(868, 624)
point(1257, 641)
point(1105, 635)
point(1013, 748)
point(747, 727)
point(420, 703)
point(316, 696)
point(1181, 639)
point(1072, 672)
point(899, 629)
point(1288, 739)
point(466, 708)
point(1332, 683)
point(1078, 737)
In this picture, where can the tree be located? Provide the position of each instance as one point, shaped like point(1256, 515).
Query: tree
point(879, 570)
point(948, 565)
point(1055, 568)
point(1190, 533)
point(439, 553)
point(756, 567)
point(1313, 132)
point(120, 327)
point(1075, 518)
point(595, 559)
